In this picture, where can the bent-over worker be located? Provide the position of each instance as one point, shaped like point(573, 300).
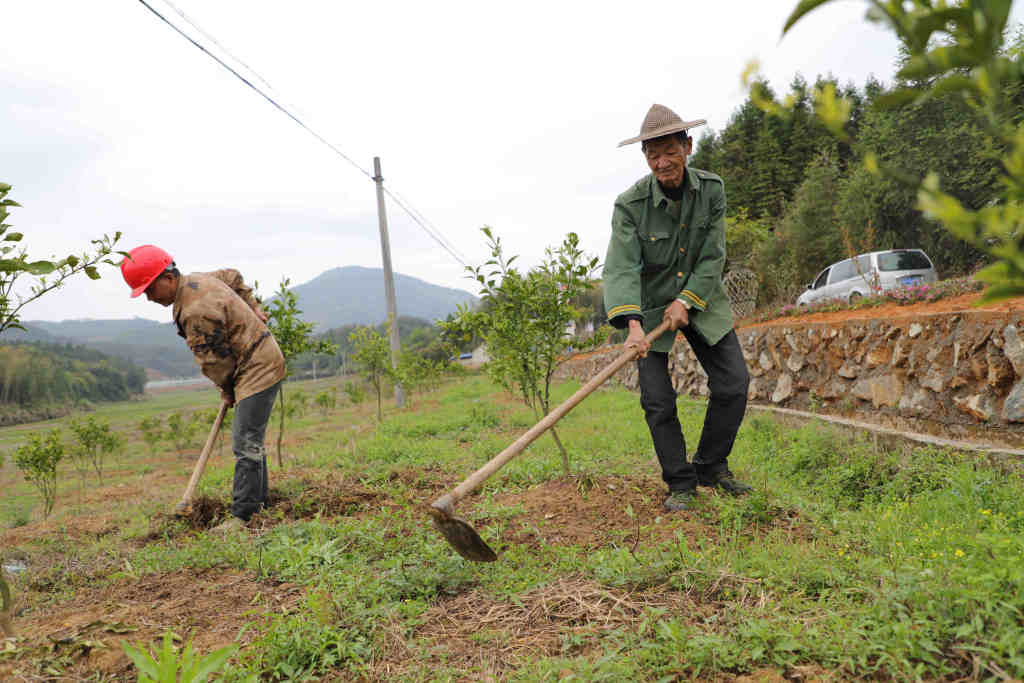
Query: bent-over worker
point(665, 261)
point(223, 324)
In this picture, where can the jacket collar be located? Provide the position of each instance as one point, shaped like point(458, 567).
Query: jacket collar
point(176, 307)
point(691, 183)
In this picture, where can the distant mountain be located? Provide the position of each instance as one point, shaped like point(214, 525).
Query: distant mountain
point(337, 297)
point(31, 333)
point(155, 346)
point(355, 295)
point(133, 331)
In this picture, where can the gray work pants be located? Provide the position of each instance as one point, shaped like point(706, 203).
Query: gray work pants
point(248, 432)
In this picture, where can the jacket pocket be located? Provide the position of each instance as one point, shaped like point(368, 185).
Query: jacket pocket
point(657, 252)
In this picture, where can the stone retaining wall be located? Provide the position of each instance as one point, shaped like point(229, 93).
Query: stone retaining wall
point(956, 375)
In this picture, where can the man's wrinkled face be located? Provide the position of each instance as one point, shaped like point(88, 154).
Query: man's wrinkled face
point(666, 157)
point(163, 290)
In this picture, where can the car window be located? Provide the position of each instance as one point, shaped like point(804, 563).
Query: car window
point(843, 270)
point(864, 264)
point(903, 260)
point(822, 279)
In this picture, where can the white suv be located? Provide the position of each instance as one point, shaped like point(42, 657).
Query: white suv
point(868, 273)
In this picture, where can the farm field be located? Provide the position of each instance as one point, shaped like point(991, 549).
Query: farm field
point(853, 559)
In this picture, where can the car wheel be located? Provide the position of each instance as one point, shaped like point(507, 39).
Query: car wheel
point(854, 296)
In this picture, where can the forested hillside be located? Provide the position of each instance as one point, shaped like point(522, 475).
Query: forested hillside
point(799, 200)
point(148, 343)
point(41, 380)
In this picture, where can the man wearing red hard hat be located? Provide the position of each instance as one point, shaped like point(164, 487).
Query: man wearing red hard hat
point(226, 329)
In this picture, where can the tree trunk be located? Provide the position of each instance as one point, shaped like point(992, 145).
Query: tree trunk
point(280, 430)
point(544, 402)
point(565, 455)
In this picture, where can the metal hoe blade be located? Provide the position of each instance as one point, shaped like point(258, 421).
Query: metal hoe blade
point(461, 535)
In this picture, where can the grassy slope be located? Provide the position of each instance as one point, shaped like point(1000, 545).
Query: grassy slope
point(850, 559)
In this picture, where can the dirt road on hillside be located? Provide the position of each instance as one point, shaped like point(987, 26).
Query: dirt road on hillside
point(965, 302)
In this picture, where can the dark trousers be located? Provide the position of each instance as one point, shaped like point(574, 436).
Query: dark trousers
point(248, 431)
point(728, 380)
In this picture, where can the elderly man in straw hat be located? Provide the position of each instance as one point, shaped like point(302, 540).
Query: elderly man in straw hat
point(664, 262)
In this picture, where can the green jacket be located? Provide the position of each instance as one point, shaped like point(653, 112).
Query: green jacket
point(662, 249)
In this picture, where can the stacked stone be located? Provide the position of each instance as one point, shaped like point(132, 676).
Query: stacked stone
point(951, 374)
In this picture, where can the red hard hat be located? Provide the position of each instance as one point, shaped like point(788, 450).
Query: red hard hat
point(143, 265)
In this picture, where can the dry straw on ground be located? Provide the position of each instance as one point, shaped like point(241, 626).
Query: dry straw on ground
point(490, 635)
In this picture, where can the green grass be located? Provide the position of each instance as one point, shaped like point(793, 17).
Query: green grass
point(850, 558)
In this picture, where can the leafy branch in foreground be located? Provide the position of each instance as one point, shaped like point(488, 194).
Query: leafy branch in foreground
point(524, 320)
point(48, 275)
point(953, 50)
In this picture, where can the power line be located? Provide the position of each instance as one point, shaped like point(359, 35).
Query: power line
point(420, 220)
point(439, 238)
point(265, 96)
point(429, 225)
point(217, 43)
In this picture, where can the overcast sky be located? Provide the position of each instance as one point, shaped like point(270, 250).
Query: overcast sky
point(482, 113)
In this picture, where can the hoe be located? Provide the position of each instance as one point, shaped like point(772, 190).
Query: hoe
point(460, 533)
point(184, 507)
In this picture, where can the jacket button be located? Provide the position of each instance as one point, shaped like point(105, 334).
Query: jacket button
point(679, 274)
point(653, 238)
point(682, 250)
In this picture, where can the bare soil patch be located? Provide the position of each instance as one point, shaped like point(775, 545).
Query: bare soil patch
point(593, 513)
point(428, 482)
point(82, 637)
point(616, 511)
point(297, 499)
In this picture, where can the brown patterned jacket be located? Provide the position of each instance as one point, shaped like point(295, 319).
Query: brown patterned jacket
point(216, 314)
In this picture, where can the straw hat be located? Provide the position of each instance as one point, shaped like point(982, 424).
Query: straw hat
point(661, 120)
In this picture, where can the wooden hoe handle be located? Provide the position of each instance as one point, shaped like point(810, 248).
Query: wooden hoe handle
point(447, 501)
point(197, 472)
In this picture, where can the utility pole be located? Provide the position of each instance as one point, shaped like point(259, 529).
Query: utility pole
point(389, 280)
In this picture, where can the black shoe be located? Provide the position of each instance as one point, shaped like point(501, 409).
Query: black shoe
point(730, 484)
point(681, 500)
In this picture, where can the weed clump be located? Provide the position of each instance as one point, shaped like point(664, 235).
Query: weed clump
point(206, 512)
